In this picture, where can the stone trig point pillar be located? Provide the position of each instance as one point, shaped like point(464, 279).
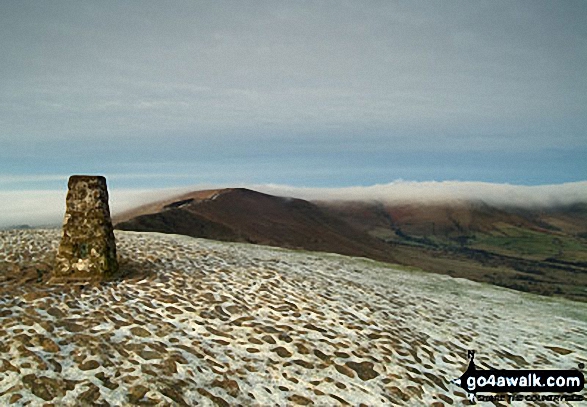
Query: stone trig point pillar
point(87, 251)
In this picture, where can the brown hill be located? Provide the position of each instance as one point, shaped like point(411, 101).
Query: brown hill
point(538, 250)
point(242, 215)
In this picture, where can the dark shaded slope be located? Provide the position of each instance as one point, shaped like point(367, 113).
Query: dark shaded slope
point(181, 222)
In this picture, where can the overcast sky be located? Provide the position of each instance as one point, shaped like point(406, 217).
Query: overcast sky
point(304, 93)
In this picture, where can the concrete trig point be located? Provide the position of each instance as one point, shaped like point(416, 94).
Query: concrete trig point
point(87, 251)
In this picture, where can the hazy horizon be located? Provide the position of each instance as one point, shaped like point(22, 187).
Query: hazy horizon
point(47, 207)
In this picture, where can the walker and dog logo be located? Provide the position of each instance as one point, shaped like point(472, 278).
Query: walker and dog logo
point(504, 382)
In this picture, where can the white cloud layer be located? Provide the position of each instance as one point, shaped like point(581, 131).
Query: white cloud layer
point(444, 191)
point(44, 207)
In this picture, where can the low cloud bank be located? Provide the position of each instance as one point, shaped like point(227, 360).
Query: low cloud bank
point(46, 207)
point(444, 191)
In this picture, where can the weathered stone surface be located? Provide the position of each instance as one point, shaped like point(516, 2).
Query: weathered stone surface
point(136, 393)
point(89, 365)
point(363, 369)
point(44, 387)
point(91, 395)
point(88, 248)
point(124, 347)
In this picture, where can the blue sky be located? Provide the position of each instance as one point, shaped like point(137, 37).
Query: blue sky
point(301, 93)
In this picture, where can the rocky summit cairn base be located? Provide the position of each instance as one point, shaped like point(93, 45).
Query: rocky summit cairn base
point(87, 251)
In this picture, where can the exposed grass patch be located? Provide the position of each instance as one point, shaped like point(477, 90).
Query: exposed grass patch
point(515, 241)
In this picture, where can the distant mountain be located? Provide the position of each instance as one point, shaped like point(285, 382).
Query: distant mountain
point(18, 227)
point(243, 215)
point(542, 250)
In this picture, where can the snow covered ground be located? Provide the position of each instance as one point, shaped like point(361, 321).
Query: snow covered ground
point(226, 324)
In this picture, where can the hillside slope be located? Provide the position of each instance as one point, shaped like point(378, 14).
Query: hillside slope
point(535, 250)
point(555, 233)
point(541, 250)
